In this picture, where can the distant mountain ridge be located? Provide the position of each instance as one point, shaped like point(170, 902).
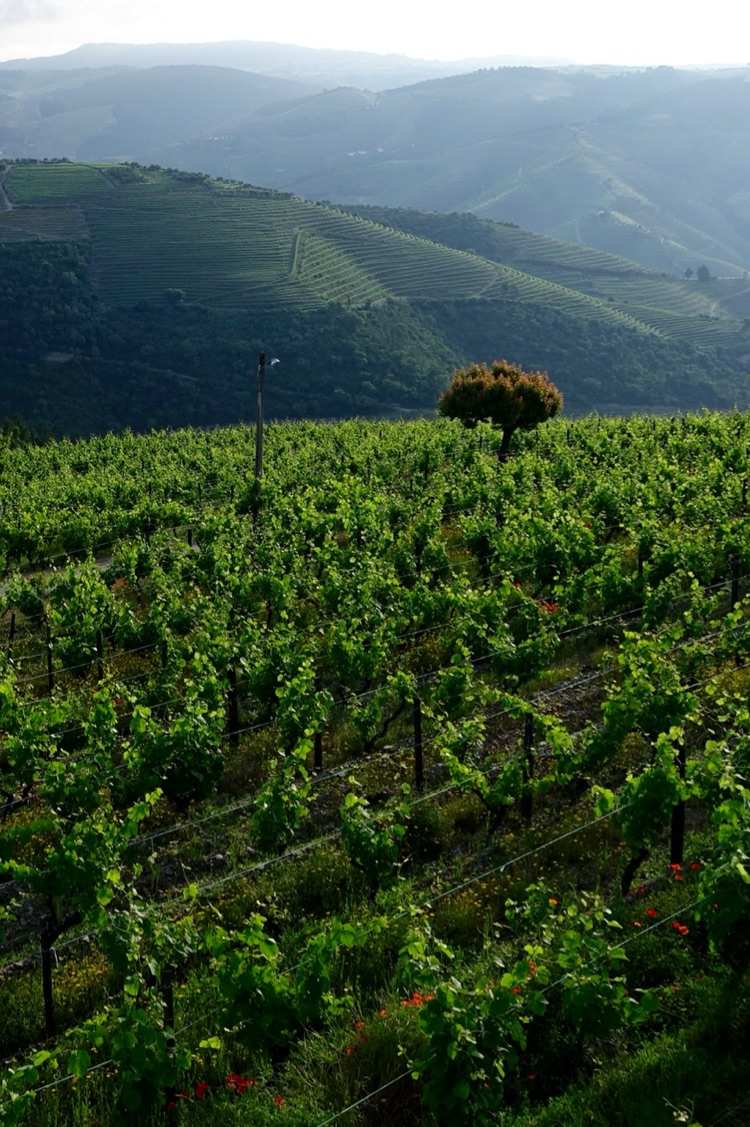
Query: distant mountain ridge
point(111, 114)
point(650, 164)
point(322, 67)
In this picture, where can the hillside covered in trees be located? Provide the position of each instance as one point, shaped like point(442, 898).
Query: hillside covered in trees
point(135, 296)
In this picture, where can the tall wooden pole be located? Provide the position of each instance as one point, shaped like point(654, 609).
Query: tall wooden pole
point(529, 739)
point(50, 1023)
point(418, 746)
point(677, 833)
point(261, 379)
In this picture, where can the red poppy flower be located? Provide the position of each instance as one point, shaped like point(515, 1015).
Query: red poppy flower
point(279, 1101)
point(675, 866)
point(239, 1084)
point(417, 999)
point(200, 1089)
point(651, 913)
point(680, 928)
point(516, 990)
point(695, 866)
point(349, 1050)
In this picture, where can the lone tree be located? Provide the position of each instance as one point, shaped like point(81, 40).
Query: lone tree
point(503, 393)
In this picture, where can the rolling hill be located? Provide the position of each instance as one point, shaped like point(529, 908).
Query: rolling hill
point(713, 313)
point(649, 164)
point(118, 113)
point(152, 290)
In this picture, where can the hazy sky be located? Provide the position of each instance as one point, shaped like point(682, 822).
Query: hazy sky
point(637, 32)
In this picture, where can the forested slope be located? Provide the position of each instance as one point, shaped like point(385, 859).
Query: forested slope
point(140, 297)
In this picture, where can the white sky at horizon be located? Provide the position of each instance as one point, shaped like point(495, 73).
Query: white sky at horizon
point(642, 32)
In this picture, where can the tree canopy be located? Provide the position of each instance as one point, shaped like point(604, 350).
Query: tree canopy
point(505, 394)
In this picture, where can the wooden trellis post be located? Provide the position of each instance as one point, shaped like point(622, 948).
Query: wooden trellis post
point(50, 670)
point(418, 746)
point(233, 708)
point(529, 737)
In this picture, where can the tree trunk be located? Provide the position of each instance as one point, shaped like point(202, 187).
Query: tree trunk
point(47, 938)
point(50, 932)
point(677, 834)
point(504, 451)
point(632, 868)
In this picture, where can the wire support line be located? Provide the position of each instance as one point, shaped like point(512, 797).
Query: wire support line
point(582, 628)
point(149, 646)
point(546, 990)
point(543, 694)
point(429, 901)
point(422, 631)
point(336, 772)
point(266, 863)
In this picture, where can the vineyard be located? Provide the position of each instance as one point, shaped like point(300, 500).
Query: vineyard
point(230, 246)
point(404, 785)
point(707, 316)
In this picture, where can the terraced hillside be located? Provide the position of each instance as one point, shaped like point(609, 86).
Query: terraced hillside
point(44, 183)
point(229, 246)
point(649, 164)
point(708, 314)
point(157, 289)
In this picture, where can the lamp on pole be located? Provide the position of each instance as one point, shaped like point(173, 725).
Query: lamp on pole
point(259, 387)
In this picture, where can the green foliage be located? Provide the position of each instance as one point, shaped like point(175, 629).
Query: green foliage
point(185, 759)
point(477, 1030)
point(383, 562)
point(373, 839)
point(135, 1038)
point(257, 995)
point(505, 394)
point(284, 799)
